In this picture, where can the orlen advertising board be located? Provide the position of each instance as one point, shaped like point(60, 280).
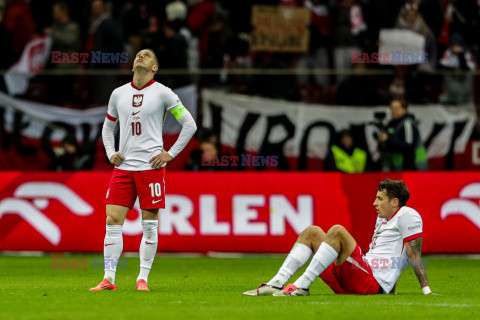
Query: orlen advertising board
point(233, 212)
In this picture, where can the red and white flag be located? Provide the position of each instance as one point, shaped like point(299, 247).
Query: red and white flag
point(33, 59)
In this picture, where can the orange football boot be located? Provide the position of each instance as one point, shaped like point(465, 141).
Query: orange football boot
point(142, 285)
point(104, 285)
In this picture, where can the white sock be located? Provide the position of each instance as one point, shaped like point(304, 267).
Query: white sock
point(148, 247)
point(297, 257)
point(113, 247)
point(321, 260)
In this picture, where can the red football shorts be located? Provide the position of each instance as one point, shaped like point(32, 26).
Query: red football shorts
point(354, 276)
point(149, 185)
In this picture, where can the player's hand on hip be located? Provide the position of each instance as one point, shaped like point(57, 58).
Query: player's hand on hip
point(117, 159)
point(160, 159)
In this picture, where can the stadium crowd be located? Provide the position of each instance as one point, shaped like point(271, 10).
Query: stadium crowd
point(194, 34)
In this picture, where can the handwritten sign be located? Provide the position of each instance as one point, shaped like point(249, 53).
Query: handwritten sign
point(281, 29)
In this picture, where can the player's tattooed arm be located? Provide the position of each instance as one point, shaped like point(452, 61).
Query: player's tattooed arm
point(414, 251)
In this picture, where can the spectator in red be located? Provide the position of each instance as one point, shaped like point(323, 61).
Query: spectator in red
point(199, 19)
point(19, 24)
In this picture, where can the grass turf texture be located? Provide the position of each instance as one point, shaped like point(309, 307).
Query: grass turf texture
point(211, 288)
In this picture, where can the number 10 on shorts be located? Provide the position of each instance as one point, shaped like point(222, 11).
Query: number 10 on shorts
point(156, 189)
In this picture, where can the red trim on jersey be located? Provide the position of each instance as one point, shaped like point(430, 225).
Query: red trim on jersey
point(393, 215)
point(415, 236)
point(109, 117)
point(146, 85)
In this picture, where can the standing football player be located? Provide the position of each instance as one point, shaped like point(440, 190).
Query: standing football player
point(140, 108)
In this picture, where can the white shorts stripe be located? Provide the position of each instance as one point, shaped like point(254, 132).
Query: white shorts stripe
point(356, 264)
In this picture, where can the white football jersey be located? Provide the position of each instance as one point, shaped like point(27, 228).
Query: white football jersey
point(140, 113)
point(387, 255)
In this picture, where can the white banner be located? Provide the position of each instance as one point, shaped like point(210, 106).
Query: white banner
point(307, 129)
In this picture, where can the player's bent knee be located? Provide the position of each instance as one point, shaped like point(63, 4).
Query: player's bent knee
point(336, 230)
point(308, 230)
point(315, 230)
point(312, 232)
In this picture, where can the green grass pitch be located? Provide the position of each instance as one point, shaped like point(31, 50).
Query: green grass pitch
point(211, 288)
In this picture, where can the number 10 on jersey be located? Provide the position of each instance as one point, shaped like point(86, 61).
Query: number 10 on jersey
point(136, 128)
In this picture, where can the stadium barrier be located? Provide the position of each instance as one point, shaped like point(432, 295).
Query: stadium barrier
point(233, 212)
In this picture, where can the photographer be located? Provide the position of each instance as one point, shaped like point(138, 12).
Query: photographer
point(400, 141)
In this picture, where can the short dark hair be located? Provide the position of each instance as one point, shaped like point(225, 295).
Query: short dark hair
point(402, 102)
point(395, 189)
